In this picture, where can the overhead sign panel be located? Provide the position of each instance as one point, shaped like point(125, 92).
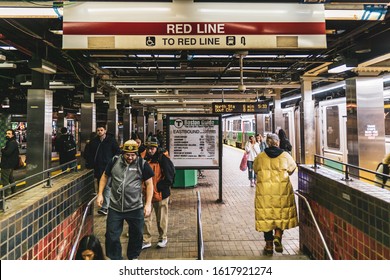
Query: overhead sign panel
point(240, 107)
point(187, 25)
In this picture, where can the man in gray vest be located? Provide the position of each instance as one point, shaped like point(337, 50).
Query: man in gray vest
point(127, 171)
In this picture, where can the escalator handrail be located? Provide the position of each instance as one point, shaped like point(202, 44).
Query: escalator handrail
point(76, 243)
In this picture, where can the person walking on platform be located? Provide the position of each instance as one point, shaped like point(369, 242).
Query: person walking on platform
point(103, 148)
point(66, 148)
point(284, 142)
point(253, 149)
point(384, 168)
point(9, 160)
point(260, 140)
point(127, 172)
point(141, 147)
point(90, 249)
point(164, 174)
point(275, 208)
point(87, 154)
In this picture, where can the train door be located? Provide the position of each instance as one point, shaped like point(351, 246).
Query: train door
point(332, 125)
point(264, 123)
point(289, 127)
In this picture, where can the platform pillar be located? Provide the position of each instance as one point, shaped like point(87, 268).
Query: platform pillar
point(308, 134)
point(365, 122)
point(39, 123)
point(277, 112)
point(112, 115)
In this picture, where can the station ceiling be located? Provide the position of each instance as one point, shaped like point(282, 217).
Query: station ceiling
point(188, 80)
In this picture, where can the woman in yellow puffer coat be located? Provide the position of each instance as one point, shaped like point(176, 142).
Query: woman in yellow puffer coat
point(275, 208)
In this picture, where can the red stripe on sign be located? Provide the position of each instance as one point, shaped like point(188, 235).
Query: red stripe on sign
point(193, 28)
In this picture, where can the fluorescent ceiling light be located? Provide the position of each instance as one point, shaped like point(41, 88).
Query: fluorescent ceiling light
point(140, 68)
point(8, 48)
point(16, 12)
point(8, 65)
point(342, 66)
point(353, 15)
point(210, 56)
point(42, 66)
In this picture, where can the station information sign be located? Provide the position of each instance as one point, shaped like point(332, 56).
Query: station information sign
point(240, 107)
point(194, 140)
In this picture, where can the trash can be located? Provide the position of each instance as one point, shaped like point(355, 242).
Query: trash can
point(186, 178)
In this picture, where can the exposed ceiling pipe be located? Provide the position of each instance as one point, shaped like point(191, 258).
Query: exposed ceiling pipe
point(210, 86)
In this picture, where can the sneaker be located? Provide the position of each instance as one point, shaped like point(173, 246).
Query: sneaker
point(102, 211)
point(253, 183)
point(162, 243)
point(146, 245)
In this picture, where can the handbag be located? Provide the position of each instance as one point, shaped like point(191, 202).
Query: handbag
point(244, 161)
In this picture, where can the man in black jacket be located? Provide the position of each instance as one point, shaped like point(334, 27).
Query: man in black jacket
point(103, 147)
point(66, 148)
point(9, 160)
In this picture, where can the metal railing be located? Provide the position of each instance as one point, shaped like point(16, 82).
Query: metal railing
point(349, 170)
point(199, 228)
point(315, 223)
point(76, 243)
point(47, 180)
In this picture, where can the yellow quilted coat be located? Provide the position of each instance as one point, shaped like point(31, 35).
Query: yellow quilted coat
point(274, 201)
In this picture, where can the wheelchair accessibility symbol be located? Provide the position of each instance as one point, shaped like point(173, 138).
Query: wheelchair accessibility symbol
point(150, 41)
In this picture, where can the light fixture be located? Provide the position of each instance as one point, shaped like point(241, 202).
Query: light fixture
point(5, 103)
point(342, 66)
point(61, 109)
point(8, 65)
point(16, 12)
point(42, 66)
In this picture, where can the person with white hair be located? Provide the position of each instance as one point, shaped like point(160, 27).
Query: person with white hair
point(275, 208)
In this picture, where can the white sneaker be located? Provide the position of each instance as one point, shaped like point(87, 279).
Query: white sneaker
point(146, 245)
point(162, 243)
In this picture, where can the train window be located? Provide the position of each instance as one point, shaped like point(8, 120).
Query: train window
point(267, 123)
point(286, 125)
point(247, 126)
point(237, 125)
point(332, 127)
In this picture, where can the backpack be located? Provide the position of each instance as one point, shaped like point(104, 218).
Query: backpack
point(170, 163)
point(69, 145)
point(386, 170)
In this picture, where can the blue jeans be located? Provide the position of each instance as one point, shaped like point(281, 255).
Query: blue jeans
point(251, 173)
point(114, 228)
point(107, 194)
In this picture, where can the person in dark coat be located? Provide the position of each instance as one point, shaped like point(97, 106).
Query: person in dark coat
point(284, 143)
point(66, 148)
point(103, 147)
point(9, 160)
point(87, 154)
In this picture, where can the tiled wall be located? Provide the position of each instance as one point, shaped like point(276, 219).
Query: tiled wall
point(354, 217)
point(46, 228)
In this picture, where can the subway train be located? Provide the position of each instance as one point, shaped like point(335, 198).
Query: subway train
point(330, 125)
